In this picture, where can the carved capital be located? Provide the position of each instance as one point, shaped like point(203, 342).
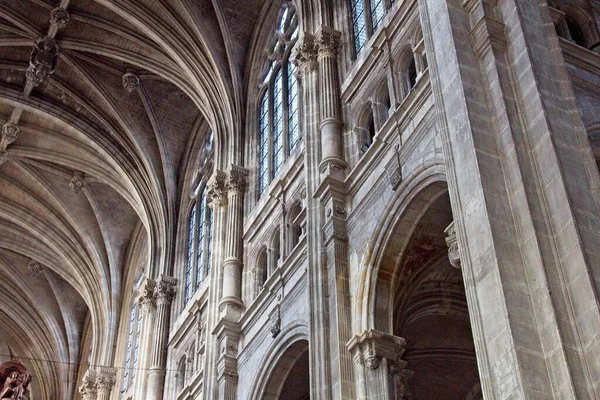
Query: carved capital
point(42, 61)
point(147, 298)
point(3, 155)
point(130, 82)
point(215, 189)
point(237, 180)
point(371, 346)
point(328, 41)
point(452, 243)
point(164, 292)
point(305, 55)
point(104, 384)
point(59, 17)
point(88, 389)
point(10, 132)
point(77, 183)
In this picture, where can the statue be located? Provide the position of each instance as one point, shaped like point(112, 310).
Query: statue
point(14, 381)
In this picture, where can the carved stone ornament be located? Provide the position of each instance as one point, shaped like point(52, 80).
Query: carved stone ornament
point(371, 346)
point(77, 183)
point(237, 180)
point(371, 360)
point(305, 56)
point(275, 322)
point(164, 292)
point(35, 268)
point(130, 82)
point(14, 381)
point(328, 42)
point(42, 61)
point(3, 155)
point(88, 389)
point(147, 299)
point(59, 17)
point(104, 384)
point(452, 243)
point(10, 132)
point(216, 190)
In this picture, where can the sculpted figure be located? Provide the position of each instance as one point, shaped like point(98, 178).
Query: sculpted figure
point(14, 381)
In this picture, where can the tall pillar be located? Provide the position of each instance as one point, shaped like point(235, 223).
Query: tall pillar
point(318, 343)
point(520, 176)
point(227, 330)
point(328, 43)
point(147, 304)
point(105, 382)
point(231, 304)
point(218, 203)
point(164, 293)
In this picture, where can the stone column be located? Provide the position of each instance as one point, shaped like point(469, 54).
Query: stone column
point(218, 203)
point(231, 305)
point(380, 371)
point(228, 335)
point(328, 42)
point(105, 382)
point(147, 303)
point(520, 182)
point(164, 292)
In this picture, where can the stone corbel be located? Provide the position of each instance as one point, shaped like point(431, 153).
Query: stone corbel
point(393, 170)
point(452, 243)
point(371, 346)
point(275, 321)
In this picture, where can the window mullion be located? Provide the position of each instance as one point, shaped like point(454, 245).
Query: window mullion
point(368, 17)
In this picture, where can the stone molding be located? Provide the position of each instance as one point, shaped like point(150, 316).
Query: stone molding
point(42, 61)
point(10, 132)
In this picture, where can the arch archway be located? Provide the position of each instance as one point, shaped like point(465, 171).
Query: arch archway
point(290, 379)
point(414, 293)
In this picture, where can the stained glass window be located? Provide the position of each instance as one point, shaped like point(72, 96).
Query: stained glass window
point(278, 113)
point(367, 16)
point(190, 254)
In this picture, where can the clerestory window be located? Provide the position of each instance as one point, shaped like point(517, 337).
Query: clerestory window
point(133, 342)
point(199, 233)
point(278, 113)
point(367, 17)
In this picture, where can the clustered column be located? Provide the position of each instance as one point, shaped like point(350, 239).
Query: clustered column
point(147, 303)
point(164, 292)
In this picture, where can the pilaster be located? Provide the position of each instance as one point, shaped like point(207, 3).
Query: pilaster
point(524, 222)
point(164, 292)
point(147, 303)
point(228, 335)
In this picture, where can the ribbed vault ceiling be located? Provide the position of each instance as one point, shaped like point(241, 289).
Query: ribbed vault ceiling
point(63, 254)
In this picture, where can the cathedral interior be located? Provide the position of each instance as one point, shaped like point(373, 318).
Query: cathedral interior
point(300, 199)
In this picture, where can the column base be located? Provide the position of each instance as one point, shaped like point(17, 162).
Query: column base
point(231, 308)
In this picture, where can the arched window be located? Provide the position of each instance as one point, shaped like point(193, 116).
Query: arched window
point(198, 245)
point(133, 341)
point(199, 233)
point(278, 113)
point(367, 16)
point(575, 31)
point(181, 369)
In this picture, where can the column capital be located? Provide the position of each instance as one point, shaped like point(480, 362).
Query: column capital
point(147, 297)
point(165, 289)
point(452, 243)
point(105, 382)
point(371, 346)
point(216, 191)
point(305, 55)
point(237, 179)
point(328, 41)
point(88, 389)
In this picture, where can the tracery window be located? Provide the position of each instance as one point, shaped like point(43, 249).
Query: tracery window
point(199, 233)
point(367, 16)
point(133, 342)
point(278, 113)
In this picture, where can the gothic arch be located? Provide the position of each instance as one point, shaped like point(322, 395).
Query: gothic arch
point(292, 337)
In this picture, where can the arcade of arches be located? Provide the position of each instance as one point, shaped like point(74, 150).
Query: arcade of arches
point(301, 199)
